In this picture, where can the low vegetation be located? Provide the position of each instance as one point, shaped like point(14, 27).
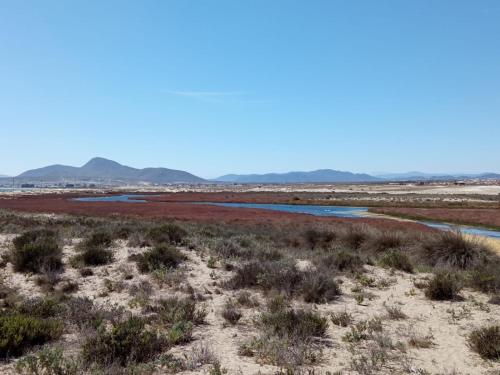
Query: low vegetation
point(272, 290)
point(160, 256)
point(486, 342)
point(36, 251)
point(19, 332)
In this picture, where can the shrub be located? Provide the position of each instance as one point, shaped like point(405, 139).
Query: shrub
point(127, 342)
point(342, 319)
point(167, 233)
point(40, 307)
point(443, 286)
point(36, 251)
point(396, 259)
point(48, 361)
point(82, 312)
point(97, 239)
point(395, 313)
point(486, 342)
point(318, 238)
point(174, 309)
point(20, 332)
point(486, 278)
point(230, 313)
point(494, 300)
point(316, 287)
point(180, 332)
point(267, 275)
point(453, 249)
point(161, 256)
point(384, 241)
point(244, 298)
point(342, 260)
point(95, 256)
point(282, 321)
point(355, 236)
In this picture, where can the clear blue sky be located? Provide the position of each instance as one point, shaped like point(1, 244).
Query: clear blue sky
point(214, 87)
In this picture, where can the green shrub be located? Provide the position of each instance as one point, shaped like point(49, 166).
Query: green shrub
point(180, 332)
point(160, 257)
point(94, 250)
point(486, 342)
point(48, 361)
point(36, 251)
point(93, 256)
point(125, 343)
point(20, 332)
point(396, 259)
point(167, 233)
point(443, 286)
point(97, 239)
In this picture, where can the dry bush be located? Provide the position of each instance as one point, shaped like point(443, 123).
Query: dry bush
point(355, 236)
point(486, 342)
point(244, 298)
point(444, 286)
point(317, 287)
point(453, 249)
point(230, 313)
point(341, 260)
point(124, 343)
point(396, 259)
point(342, 319)
point(379, 242)
point(395, 313)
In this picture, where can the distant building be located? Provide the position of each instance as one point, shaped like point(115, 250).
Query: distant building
point(27, 185)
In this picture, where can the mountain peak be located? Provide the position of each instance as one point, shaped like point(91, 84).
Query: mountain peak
point(98, 161)
point(99, 169)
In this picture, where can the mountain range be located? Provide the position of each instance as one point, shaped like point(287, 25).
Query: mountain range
point(100, 169)
point(320, 175)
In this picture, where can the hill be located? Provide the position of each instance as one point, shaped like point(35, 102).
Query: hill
point(321, 175)
point(99, 169)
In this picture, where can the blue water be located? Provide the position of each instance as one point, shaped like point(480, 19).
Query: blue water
point(129, 198)
point(337, 211)
point(353, 212)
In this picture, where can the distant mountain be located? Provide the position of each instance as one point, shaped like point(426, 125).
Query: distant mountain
point(3, 175)
point(419, 176)
point(321, 175)
point(99, 169)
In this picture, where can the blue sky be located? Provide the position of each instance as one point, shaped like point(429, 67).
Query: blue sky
point(215, 87)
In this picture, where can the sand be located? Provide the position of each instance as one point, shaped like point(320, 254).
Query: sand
point(446, 323)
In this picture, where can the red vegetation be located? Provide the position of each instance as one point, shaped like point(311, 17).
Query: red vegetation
point(488, 217)
point(175, 206)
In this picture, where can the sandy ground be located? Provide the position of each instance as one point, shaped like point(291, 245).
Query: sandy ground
point(492, 188)
point(445, 324)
